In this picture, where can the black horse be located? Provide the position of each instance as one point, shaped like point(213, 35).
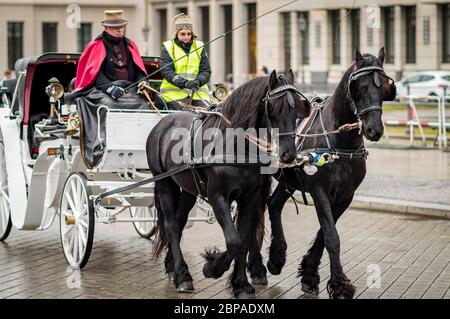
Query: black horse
point(358, 97)
point(266, 102)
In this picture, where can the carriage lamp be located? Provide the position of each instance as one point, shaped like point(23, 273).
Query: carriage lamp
point(73, 124)
point(55, 91)
point(220, 91)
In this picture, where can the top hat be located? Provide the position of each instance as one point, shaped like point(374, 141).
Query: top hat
point(114, 18)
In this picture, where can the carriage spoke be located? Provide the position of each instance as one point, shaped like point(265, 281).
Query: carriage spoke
point(67, 231)
point(80, 246)
point(83, 223)
point(5, 196)
point(71, 242)
point(75, 245)
point(71, 204)
point(82, 235)
point(74, 192)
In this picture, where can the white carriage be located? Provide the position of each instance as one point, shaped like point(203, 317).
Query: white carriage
point(42, 171)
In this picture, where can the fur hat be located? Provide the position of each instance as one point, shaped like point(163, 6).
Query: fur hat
point(183, 21)
point(113, 18)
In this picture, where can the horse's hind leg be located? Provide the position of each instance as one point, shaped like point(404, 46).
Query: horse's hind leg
point(338, 286)
point(187, 201)
point(169, 195)
point(309, 266)
point(278, 246)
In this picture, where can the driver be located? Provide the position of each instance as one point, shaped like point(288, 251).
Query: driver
point(110, 57)
point(185, 78)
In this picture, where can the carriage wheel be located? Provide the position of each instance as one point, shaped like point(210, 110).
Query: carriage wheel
point(5, 208)
point(144, 229)
point(77, 220)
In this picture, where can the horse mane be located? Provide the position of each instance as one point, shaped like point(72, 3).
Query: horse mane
point(243, 105)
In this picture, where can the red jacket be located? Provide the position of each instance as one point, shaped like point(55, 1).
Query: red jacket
point(91, 61)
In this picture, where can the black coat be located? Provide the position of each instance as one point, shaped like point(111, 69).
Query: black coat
point(107, 73)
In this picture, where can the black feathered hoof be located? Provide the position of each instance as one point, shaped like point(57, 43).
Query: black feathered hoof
point(206, 271)
point(274, 269)
point(171, 276)
point(186, 287)
point(259, 281)
point(307, 289)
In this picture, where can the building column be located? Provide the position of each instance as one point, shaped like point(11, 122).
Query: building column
point(295, 43)
point(428, 55)
point(170, 14)
point(193, 13)
point(320, 50)
point(399, 55)
point(216, 49)
point(346, 39)
point(240, 45)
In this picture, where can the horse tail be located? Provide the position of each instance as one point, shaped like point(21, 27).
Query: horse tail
point(161, 241)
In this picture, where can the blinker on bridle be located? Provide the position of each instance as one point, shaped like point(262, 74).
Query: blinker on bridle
point(378, 72)
point(285, 89)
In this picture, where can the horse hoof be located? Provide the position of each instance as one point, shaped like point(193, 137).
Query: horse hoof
point(259, 281)
point(206, 272)
point(307, 289)
point(274, 270)
point(186, 287)
point(246, 295)
point(171, 276)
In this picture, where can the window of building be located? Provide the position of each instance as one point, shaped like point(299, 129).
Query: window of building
point(389, 33)
point(251, 37)
point(182, 10)
point(410, 28)
point(426, 30)
point(446, 33)
point(161, 15)
point(336, 36)
point(204, 26)
point(15, 43)
point(286, 17)
point(355, 17)
point(84, 35)
point(49, 37)
point(303, 26)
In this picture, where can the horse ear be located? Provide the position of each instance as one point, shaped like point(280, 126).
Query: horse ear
point(273, 79)
point(290, 77)
point(358, 56)
point(381, 55)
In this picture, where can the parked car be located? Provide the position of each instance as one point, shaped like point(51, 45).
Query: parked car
point(425, 83)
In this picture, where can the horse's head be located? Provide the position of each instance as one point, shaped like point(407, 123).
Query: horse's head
point(284, 106)
point(368, 86)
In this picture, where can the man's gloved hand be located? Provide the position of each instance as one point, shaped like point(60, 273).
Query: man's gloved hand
point(180, 81)
point(115, 91)
point(193, 85)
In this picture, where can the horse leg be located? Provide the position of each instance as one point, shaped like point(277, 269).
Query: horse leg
point(169, 194)
point(187, 201)
point(338, 286)
point(258, 273)
point(278, 246)
point(247, 225)
point(308, 268)
point(218, 262)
